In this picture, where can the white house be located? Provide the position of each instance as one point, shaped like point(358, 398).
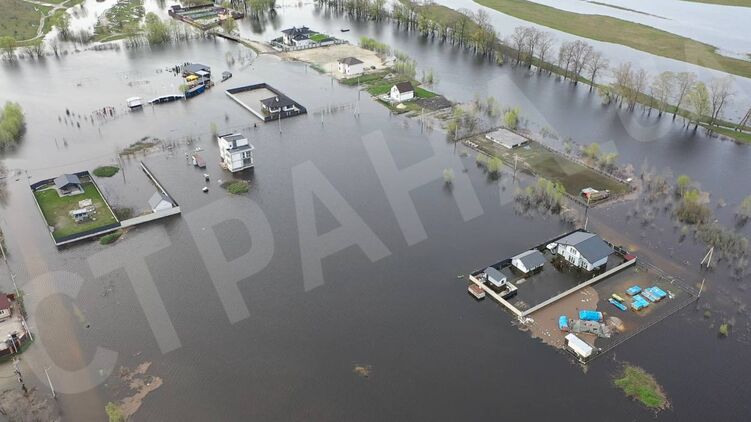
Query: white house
point(235, 152)
point(402, 91)
point(297, 37)
point(350, 66)
point(528, 261)
point(159, 202)
point(584, 250)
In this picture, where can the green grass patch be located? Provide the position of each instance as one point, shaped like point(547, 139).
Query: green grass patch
point(55, 210)
point(142, 145)
point(634, 35)
point(319, 37)
point(740, 3)
point(110, 238)
point(730, 133)
point(380, 89)
point(106, 171)
point(642, 386)
point(20, 20)
point(365, 79)
point(424, 93)
point(236, 187)
point(552, 166)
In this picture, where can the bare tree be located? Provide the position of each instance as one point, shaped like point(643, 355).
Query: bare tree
point(684, 81)
point(720, 93)
point(580, 52)
point(597, 63)
point(698, 99)
point(662, 90)
point(532, 38)
point(544, 45)
point(517, 39)
point(640, 83)
point(565, 57)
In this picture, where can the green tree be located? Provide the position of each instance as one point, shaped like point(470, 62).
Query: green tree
point(114, 413)
point(157, 32)
point(62, 22)
point(591, 151)
point(12, 125)
point(8, 46)
point(229, 25)
point(511, 118)
point(698, 99)
point(683, 182)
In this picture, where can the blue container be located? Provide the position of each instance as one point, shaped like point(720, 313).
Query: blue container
point(617, 304)
point(587, 315)
point(635, 290)
point(563, 323)
point(658, 292)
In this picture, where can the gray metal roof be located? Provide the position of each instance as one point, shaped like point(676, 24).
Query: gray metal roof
point(589, 245)
point(278, 101)
point(495, 274)
point(195, 67)
point(350, 60)
point(156, 198)
point(66, 179)
point(403, 87)
point(531, 259)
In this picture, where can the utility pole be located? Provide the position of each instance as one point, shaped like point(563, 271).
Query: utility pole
point(707, 258)
point(54, 396)
point(586, 213)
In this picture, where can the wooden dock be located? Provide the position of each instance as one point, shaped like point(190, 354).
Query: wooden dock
point(498, 298)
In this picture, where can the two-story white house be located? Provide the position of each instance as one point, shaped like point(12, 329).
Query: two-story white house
point(235, 152)
point(584, 250)
point(402, 91)
point(350, 66)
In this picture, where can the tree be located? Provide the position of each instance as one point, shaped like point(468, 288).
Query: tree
point(699, 100)
point(114, 413)
point(640, 83)
point(744, 210)
point(12, 125)
point(580, 52)
point(229, 25)
point(565, 54)
point(518, 40)
point(662, 90)
point(545, 44)
point(597, 62)
point(683, 182)
point(684, 82)
point(157, 32)
point(720, 93)
point(511, 118)
point(62, 23)
point(591, 151)
point(8, 46)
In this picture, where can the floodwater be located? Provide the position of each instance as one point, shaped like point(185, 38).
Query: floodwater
point(434, 352)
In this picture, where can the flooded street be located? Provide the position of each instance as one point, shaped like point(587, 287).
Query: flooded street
point(234, 335)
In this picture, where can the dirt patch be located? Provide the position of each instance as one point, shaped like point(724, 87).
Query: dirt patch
point(33, 406)
point(139, 384)
point(325, 58)
point(545, 325)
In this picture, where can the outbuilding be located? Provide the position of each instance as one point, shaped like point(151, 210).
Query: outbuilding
point(506, 138)
point(160, 202)
point(578, 346)
point(528, 261)
point(402, 91)
point(496, 277)
point(350, 66)
point(5, 307)
point(68, 184)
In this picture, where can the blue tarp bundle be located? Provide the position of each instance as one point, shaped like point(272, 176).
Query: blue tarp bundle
point(563, 323)
point(639, 302)
point(658, 292)
point(588, 315)
point(635, 290)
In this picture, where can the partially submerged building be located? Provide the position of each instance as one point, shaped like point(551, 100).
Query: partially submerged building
point(403, 91)
point(297, 37)
point(506, 138)
point(235, 151)
point(279, 104)
point(497, 278)
point(350, 66)
point(160, 202)
point(68, 184)
point(584, 250)
point(528, 261)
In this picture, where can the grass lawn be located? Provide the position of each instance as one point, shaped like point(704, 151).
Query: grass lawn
point(106, 171)
point(552, 166)
point(20, 20)
point(424, 93)
point(739, 136)
point(365, 79)
point(742, 3)
point(641, 386)
point(55, 209)
point(318, 37)
point(608, 29)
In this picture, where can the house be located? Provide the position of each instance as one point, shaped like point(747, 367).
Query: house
point(528, 261)
point(235, 152)
point(496, 277)
point(506, 138)
point(297, 37)
point(277, 104)
point(402, 91)
point(350, 66)
point(68, 184)
point(193, 69)
point(5, 307)
point(584, 250)
point(160, 202)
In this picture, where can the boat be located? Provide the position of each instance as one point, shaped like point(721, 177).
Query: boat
point(166, 99)
point(134, 103)
point(344, 29)
point(192, 92)
point(617, 304)
point(226, 75)
point(618, 298)
point(476, 291)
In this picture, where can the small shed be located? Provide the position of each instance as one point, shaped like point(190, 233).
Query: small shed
point(528, 261)
point(159, 202)
point(495, 277)
point(506, 138)
point(68, 184)
point(578, 346)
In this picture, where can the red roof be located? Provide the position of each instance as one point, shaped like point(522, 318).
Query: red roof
point(4, 302)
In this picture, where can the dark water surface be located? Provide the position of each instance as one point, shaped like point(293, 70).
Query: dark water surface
point(434, 353)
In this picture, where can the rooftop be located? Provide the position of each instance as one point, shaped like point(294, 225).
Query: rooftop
point(158, 197)
point(531, 258)
point(278, 101)
point(589, 245)
point(404, 87)
point(66, 179)
point(350, 60)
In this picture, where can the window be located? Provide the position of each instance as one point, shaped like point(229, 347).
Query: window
point(246, 154)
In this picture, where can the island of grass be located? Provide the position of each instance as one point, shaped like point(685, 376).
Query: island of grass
point(618, 31)
point(551, 165)
point(106, 171)
point(56, 210)
point(236, 187)
point(379, 83)
point(642, 386)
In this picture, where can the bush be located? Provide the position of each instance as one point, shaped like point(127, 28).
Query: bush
point(236, 187)
point(511, 118)
point(110, 238)
point(114, 413)
point(106, 171)
point(724, 329)
point(641, 386)
point(12, 125)
point(494, 166)
point(744, 211)
point(543, 196)
point(691, 210)
point(123, 213)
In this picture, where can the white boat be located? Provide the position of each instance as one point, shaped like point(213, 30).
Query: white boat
point(134, 102)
